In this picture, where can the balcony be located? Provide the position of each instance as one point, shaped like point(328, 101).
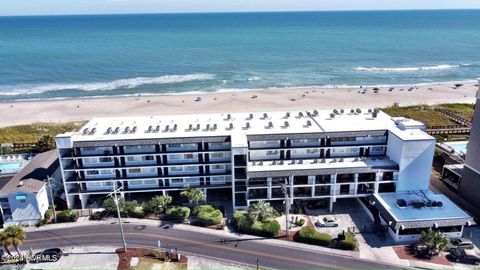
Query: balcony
point(257, 182)
point(345, 178)
point(302, 192)
point(258, 194)
point(322, 191)
point(366, 177)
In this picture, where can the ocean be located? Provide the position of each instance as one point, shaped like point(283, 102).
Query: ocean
point(47, 57)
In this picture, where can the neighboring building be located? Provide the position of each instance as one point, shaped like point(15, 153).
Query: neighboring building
point(470, 183)
point(465, 178)
point(24, 198)
point(247, 157)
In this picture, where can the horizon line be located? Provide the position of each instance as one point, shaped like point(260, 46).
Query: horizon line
point(238, 12)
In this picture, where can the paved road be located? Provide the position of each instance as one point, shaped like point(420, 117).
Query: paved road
point(248, 251)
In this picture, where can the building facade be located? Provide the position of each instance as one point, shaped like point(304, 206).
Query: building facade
point(470, 178)
point(247, 157)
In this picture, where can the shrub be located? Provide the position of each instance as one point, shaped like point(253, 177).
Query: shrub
point(299, 222)
point(97, 215)
point(178, 213)
point(207, 215)
point(42, 222)
point(48, 213)
point(244, 224)
point(309, 235)
point(348, 241)
point(66, 216)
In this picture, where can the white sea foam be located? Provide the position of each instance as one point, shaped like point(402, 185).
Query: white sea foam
point(254, 78)
point(102, 86)
point(406, 69)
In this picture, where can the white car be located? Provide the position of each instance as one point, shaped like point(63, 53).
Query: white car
point(327, 222)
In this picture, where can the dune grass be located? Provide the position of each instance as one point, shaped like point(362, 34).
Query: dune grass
point(32, 132)
point(424, 114)
point(463, 110)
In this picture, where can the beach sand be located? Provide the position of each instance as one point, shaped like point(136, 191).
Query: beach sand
point(281, 99)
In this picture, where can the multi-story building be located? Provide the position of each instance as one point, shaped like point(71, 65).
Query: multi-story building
point(465, 178)
point(247, 156)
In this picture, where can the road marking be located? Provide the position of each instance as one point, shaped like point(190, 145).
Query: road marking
point(254, 253)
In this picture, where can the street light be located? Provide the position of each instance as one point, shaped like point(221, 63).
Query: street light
point(116, 201)
point(287, 207)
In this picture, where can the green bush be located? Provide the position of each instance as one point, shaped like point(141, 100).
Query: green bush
point(207, 215)
point(178, 213)
point(66, 216)
point(48, 213)
point(244, 224)
point(97, 215)
point(309, 235)
point(348, 242)
point(42, 222)
point(299, 222)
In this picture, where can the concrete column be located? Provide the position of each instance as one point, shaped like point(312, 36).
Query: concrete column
point(290, 184)
point(330, 207)
point(269, 189)
point(206, 195)
point(163, 192)
point(355, 186)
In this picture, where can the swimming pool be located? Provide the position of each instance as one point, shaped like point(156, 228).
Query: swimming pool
point(459, 147)
point(10, 166)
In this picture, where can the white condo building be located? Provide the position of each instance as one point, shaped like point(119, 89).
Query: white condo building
point(246, 157)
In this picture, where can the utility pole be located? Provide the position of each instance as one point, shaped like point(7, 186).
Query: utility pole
point(287, 207)
point(116, 200)
point(49, 182)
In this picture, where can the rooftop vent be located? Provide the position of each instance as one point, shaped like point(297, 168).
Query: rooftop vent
point(260, 163)
point(198, 127)
point(286, 124)
point(254, 163)
point(117, 129)
point(230, 126)
point(20, 183)
point(352, 111)
point(287, 115)
point(85, 131)
point(134, 129)
point(374, 114)
point(270, 125)
point(315, 112)
point(342, 111)
point(369, 110)
point(309, 123)
point(300, 114)
point(126, 130)
point(109, 130)
point(247, 125)
point(167, 128)
point(150, 129)
point(401, 203)
point(265, 116)
point(207, 128)
point(332, 115)
point(358, 111)
point(340, 159)
point(280, 162)
point(92, 131)
point(300, 161)
point(292, 162)
point(335, 111)
point(229, 116)
point(250, 116)
point(190, 127)
point(323, 160)
point(157, 129)
point(174, 128)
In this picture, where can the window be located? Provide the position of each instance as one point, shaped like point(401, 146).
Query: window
point(271, 153)
point(176, 169)
point(192, 180)
point(94, 184)
point(217, 155)
point(188, 156)
point(218, 167)
point(148, 158)
point(136, 182)
point(106, 172)
point(134, 170)
point(106, 159)
point(217, 179)
point(312, 151)
point(191, 168)
point(132, 159)
point(89, 149)
point(149, 170)
point(21, 197)
point(93, 172)
point(90, 160)
point(176, 180)
point(150, 182)
point(377, 149)
point(174, 145)
point(175, 157)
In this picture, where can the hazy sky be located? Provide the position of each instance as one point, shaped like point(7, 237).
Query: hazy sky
point(44, 7)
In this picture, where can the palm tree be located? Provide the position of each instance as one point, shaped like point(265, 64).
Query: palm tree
point(194, 195)
point(45, 143)
point(159, 204)
point(261, 211)
point(6, 242)
point(12, 236)
point(435, 240)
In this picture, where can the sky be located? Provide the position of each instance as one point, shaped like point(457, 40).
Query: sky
point(66, 7)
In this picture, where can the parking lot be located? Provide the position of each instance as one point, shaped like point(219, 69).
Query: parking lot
point(348, 213)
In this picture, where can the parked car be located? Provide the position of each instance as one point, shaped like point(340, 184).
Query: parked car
point(328, 221)
point(423, 251)
point(48, 255)
point(461, 243)
point(464, 256)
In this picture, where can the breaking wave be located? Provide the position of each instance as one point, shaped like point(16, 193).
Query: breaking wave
point(406, 69)
point(102, 86)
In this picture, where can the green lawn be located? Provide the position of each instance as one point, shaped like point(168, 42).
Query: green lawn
point(32, 132)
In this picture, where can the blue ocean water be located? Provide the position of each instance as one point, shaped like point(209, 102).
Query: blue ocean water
point(79, 56)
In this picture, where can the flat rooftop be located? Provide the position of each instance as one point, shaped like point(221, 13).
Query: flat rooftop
point(227, 124)
point(448, 210)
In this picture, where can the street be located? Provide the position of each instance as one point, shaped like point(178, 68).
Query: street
point(246, 252)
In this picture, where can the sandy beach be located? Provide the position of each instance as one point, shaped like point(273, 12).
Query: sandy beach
point(298, 98)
